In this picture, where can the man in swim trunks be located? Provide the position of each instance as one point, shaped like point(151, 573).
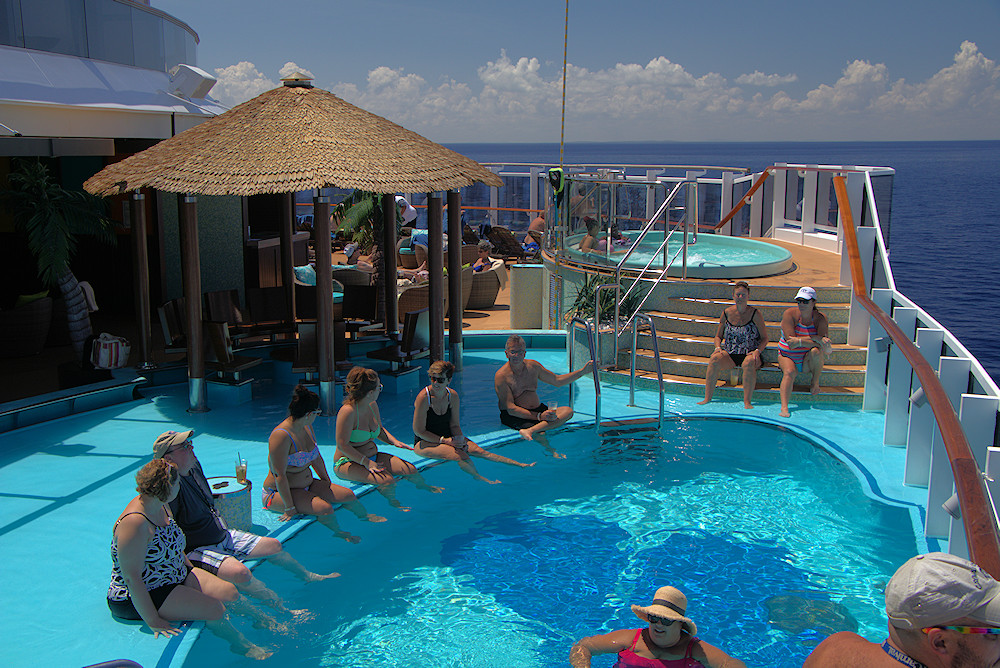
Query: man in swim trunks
point(211, 545)
point(516, 384)
point(944, 611)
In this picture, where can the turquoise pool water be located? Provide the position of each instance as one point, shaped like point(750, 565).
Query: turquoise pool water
point(713, 256)
point(773, 539)
point(63, 482)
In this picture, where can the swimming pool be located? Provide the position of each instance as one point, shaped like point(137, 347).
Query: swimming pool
point(64, 481)
point(713, 256)
point(774, 540)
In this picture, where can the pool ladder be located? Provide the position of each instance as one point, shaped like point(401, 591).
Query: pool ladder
point(596, 371)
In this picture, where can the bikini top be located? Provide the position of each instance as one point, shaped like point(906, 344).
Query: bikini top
point(363, 435)
point(301, 458)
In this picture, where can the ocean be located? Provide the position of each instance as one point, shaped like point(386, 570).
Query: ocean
point(945, 216)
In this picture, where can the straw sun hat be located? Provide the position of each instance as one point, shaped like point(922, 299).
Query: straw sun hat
point(668, 603)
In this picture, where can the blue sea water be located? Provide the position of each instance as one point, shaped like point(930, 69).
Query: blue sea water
point(945, 216)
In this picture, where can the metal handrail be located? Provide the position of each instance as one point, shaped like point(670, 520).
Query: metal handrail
point(977, 514)
point(593, 360)
point(656, 354)
point(597, 314)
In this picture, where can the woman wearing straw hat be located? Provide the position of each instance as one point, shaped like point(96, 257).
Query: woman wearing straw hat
point(668, 642)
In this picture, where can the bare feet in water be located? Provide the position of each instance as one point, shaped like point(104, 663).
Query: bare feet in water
point(395, 503)
point(317, 577)
point(348, 536)
point(372, 517)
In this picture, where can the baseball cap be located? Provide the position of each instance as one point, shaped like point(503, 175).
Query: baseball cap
point(806, 293)
point(168, 439)
point(937, 588)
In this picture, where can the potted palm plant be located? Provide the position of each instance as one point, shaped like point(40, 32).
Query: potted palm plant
point(52, 217)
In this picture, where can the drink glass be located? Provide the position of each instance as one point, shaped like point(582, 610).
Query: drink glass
point(241, 471)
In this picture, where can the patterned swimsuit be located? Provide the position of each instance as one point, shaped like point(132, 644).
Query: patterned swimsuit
point(740, 340)
point(164, 564)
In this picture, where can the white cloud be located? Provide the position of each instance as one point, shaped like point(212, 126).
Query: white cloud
point(239, 83)
point(290, 68)
point(758, 78)
point(520, 100)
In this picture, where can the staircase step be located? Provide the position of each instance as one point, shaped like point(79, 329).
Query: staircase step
point(691, 366)
point(766, 391)
point(772, 311)
point(697, 325)
point(704, 346)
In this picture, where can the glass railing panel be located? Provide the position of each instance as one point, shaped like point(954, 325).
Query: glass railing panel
point(109, 31)
point(11, 30)
point(57, 26)
point(148, 45)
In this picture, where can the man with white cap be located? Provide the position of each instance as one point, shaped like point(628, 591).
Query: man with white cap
point(944, 612)
point(670, 640)
point(211, 545)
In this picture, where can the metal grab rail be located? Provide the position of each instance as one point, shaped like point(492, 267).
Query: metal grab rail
point(597, 314)
point(656, 354)
point(977, 514)
point(593, 361)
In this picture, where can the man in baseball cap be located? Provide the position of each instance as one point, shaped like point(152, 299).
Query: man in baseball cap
point(944, 612)
point(212, 545)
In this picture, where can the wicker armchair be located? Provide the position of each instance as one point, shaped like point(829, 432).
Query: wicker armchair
point(486, 286)
point(416, 297)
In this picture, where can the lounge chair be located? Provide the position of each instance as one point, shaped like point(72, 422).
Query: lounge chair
point(486, 285)
point(506, 245)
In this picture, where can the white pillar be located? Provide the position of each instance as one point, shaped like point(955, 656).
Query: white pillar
point(898, 390)
point(858, 317)
point(875, 365)
point(921, 426)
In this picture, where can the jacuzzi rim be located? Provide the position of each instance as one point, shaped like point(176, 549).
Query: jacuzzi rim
point(739, 270)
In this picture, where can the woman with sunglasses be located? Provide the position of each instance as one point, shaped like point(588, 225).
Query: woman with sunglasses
point(669, 641)
point(804, 344)
point(152, 580)
point(358, 425)
point(436, 431)
point(293, 455)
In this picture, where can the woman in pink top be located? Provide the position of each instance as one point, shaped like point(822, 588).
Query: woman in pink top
point(669, 641)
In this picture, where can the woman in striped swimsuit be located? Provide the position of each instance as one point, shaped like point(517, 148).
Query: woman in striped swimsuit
point(804, 344)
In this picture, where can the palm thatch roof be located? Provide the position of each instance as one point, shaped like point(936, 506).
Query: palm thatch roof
point(289, 139)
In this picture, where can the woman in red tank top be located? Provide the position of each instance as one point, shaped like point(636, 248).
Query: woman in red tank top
point(670, 640)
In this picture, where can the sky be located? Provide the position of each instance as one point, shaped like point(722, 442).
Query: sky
point(638, 70)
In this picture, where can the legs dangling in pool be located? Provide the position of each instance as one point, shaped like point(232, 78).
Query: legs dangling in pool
point(384, 480)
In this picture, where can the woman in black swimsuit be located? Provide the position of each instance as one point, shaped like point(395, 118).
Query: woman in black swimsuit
point(740, 341)
point(436, 432)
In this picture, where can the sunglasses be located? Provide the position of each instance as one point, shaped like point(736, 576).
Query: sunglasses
point(186, 445)
point(990, 630)
point(653, 619)
point(803, 301)
point(438, 379)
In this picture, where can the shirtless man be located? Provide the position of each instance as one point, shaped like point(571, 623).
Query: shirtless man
point(537, 225)
point(516, 384)
point(944, 612)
